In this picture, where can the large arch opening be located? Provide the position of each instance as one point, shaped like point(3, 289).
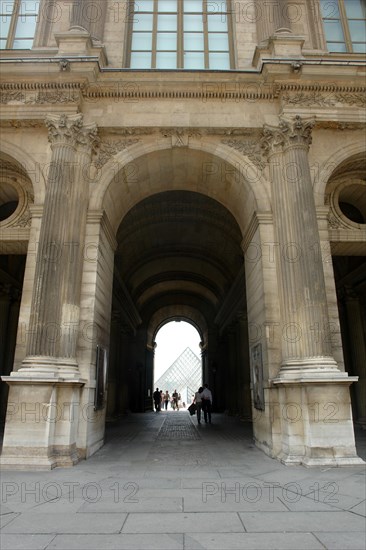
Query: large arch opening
point(179, 257)
point(177, 362)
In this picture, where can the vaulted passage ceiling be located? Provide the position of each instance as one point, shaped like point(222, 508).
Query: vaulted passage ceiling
point(178, 247)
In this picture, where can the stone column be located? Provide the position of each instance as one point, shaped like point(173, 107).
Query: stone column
point(357, 350)
point(313, 394)
point(44, 398)
point(306, 341)
point(271, 16)
point(51, 346)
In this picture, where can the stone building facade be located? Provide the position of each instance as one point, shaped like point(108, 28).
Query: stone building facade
point(200, 161)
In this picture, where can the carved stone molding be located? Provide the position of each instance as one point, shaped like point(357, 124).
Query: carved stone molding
point(180, 136)
point(39, 93)
point(249, 148)
point(288, 133)
point(324, 99)
point(109, 148)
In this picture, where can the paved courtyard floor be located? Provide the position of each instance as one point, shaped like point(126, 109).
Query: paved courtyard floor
point(162, 482)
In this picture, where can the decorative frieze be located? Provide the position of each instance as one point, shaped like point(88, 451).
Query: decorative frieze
point(324, 99)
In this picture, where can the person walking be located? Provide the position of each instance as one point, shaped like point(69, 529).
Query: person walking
point(198, 402)
point(206, 397)
point(175, 400)
point(157, 399)
point(166, 399)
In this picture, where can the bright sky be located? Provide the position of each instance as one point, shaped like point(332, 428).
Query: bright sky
point(172, 339)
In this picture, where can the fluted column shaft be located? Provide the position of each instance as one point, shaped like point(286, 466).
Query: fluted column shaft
point(271, 16)
point(56, 293)
point(305, 324)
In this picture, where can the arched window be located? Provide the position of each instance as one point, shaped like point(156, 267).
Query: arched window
point(180, 34)
point(18, 23)
point(344, 25)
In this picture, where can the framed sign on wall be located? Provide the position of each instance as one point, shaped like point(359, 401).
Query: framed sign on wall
point(101, 378)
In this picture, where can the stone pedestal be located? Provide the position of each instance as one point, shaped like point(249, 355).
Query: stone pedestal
point(41, 425)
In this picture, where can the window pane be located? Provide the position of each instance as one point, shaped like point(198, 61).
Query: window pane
point(216, 7)
point(217, 23)
point(357, 30)
point(329, 9)
point(219, 61)
point(193, 6)
point(142, 22)
point(6, 7)
point(355, 9)
point(359, 48)
point(26, 27)
point(167, 23)
point(141, 60)
point(194, 41)
point(333, 31)
point(218, 42)
point(166, 60)
point(143, 5)
point(4, 27)
point(168, 5)
point(336, 47)
point(194, 60)
point(142, 41)
point(28, 7)
point(193, 23)
point(23, 44)
point(2, 44)
point(166, 41)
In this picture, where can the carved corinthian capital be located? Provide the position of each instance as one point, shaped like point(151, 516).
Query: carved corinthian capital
point(289, 133)
point(64, 129)
point(69, 130)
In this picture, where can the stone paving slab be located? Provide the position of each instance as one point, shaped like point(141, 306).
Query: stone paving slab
point(336, 521)
point(342, 541)
point(25, 542)
point(48, 523)
point(251, 541)
point(183, 523)
point(133, 504)
point(117, 542)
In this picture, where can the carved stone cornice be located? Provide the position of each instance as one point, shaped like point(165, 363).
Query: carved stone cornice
point(289, 133)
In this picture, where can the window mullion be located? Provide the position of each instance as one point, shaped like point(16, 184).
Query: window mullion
point(205, 33)
point(13, 24)
point(154, 35)
point(180, 35)
point(344, 22)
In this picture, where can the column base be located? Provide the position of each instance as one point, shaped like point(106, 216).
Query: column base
point(37, 366)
